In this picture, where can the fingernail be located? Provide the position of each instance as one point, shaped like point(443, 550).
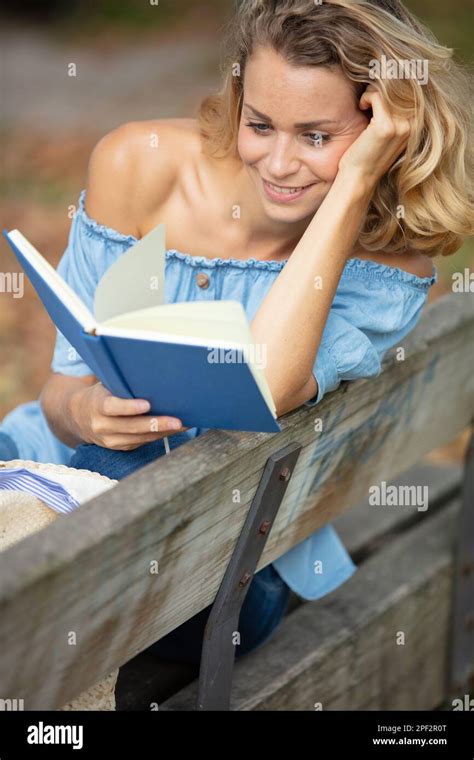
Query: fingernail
point(143, 406)
point(176, 425)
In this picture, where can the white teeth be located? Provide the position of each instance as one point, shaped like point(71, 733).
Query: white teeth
point(285, 190)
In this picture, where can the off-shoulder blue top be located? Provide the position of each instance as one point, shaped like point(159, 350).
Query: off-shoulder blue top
point(374, 308)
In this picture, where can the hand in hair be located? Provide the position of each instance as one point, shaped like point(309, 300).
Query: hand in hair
point(378, 147)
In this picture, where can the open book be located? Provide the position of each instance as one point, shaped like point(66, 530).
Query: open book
point(193, 360)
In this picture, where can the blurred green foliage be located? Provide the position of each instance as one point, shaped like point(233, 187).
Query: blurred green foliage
point(450, 21)
point(77, 18)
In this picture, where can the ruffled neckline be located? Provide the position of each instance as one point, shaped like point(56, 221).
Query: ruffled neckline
point(375, 270)
point(353, 267)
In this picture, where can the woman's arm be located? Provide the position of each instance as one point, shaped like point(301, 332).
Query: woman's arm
point(291, 319)
point(57, 400)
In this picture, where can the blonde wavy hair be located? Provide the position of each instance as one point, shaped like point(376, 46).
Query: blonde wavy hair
point(432, 180)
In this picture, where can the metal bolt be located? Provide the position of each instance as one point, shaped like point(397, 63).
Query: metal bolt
point(264, 526)
point(285, 474)
point(245, 579)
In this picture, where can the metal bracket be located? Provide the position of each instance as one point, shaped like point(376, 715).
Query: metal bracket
point(462, 633)
point(218, 651)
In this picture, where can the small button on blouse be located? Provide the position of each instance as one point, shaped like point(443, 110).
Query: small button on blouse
point(202, 280)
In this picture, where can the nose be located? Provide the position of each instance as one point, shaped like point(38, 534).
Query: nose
point(282, 159)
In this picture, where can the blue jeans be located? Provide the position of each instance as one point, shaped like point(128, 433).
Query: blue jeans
point(266, 600)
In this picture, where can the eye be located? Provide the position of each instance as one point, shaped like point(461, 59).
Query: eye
point(259, 129)
point(317, 139)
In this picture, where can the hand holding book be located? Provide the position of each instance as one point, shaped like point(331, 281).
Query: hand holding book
point(116, 423)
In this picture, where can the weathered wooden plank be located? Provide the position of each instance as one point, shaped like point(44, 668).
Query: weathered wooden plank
point(90, 572)
point(363, 529)
point(345, 652)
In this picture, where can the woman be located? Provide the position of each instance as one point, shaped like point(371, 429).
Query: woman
point(323, 187)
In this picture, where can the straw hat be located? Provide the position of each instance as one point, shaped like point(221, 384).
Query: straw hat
point(21, 513)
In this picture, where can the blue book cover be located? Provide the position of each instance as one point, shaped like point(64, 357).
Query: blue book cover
point(190, 360)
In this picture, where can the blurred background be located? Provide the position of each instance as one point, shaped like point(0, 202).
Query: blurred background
point(134, 60)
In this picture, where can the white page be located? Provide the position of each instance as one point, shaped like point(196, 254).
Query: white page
point(223, 318)
point(136, 280)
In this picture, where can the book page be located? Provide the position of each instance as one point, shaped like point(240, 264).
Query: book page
point(197, 319)
point(136, 280)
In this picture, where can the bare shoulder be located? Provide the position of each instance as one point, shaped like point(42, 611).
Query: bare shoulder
point(412, 262)
point(134, 168)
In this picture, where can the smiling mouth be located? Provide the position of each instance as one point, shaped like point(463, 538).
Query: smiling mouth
point(287, 190)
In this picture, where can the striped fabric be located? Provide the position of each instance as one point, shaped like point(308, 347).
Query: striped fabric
point(51, 493)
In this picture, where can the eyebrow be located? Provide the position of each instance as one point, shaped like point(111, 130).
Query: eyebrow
point(299, 125)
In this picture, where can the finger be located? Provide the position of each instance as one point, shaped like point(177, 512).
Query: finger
point(403, 126)
point(381, 115)
point(365, 100)
point(370, 88)
point(387, 123)
point(375, 101)
point(162, 424)
point(117, 407)
point(142, 425)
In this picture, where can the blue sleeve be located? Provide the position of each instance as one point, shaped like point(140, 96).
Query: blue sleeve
point(369, 315)
point(91, 249)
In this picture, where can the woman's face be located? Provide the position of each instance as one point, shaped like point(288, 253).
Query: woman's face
point(296, 123)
